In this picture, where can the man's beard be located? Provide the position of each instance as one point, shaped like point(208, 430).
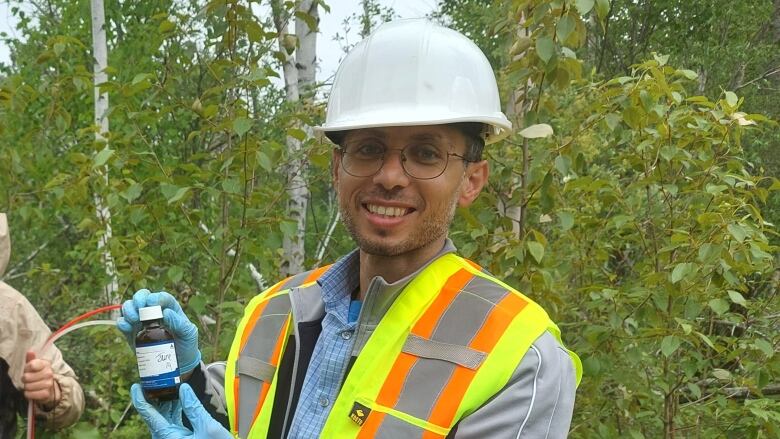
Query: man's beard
point(432, 228)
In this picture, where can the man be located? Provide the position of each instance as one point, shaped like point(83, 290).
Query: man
point(402, 337)
point(44, 379)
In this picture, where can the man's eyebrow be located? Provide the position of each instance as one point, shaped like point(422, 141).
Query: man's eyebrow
point(426, 136)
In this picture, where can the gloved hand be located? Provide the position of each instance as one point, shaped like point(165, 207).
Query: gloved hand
point(165, 422)
point(184, 331)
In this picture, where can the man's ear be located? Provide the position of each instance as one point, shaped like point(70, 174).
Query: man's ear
point(335, 162)
point(476, 178)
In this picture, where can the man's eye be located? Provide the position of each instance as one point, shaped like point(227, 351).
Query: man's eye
point(424, 154)
point(368, 150)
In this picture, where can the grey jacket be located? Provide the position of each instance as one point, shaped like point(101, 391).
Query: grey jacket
point(537, 402)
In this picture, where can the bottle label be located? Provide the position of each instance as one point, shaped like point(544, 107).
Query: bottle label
point(157, 365)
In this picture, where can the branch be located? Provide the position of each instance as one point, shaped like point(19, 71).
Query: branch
point(257, 276)
point(769, 72)
point(10, 274)
point(328, 235)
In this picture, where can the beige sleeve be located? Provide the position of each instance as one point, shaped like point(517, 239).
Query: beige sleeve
point(71, 404)
point(30, 333)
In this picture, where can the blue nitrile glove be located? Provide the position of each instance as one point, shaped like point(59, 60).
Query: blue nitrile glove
point(164, 421)
point(184, 332)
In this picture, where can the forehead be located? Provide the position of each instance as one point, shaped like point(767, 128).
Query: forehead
point(443, 134)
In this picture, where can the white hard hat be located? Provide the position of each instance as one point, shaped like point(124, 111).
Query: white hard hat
point(415, 72)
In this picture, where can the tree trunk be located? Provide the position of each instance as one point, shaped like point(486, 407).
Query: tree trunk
point(100, 51)
point(299, 73)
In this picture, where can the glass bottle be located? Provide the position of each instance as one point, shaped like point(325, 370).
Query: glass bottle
point(156, 354)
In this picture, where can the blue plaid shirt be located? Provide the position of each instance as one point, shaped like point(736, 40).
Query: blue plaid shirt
point(332, 351)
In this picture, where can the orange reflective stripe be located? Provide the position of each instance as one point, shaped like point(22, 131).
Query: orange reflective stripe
point(473, 264)
point(427, 434)
point(369, 428)
point(244, 336)
point(486, 338)
point(235, 403)
point(315, 274)
point(391, 389)
point(274, 361)
point(426, 323)
point(252, 322)
point(394, 382)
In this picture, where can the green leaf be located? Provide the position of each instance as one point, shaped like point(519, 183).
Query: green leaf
point(132, 192)
point(721, 374)
point(602, 9)
point(737, 297)
point(720, 306)
point(536, 249)
point(537, 131)
point(731, 99)
point(563, 164)
point(102, 157)
point(689, 74)
point(566, 219)
point(544, 49)
point(175, 273)
point(241, 125)
point(140, 78)
point(565, 27)
point(231, 186)
point(613, 120)
point(706, 340)
point(669, 344)
point(173, 193)
point(297, 133)
point(289, 228)
point(264, 161)
point(584, 6)
point(85, 430)
point(166, 26)
point(708, 252)
point(681, 271)
point(737, 231)
point(765, 347)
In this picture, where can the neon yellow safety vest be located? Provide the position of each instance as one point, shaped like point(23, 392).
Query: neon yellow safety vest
point(449, 342)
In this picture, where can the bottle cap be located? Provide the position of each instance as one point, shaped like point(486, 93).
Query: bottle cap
point(150, 313)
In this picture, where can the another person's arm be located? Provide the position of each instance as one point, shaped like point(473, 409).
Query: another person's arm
point(45, 377)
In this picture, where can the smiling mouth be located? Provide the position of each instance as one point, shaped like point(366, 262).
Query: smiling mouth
point(388, 211)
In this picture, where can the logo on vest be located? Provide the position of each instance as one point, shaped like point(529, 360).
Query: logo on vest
point(359, 413)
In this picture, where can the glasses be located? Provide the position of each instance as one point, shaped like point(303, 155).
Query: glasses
point(420, 161)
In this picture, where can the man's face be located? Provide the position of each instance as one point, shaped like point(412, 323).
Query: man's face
point(390, 213)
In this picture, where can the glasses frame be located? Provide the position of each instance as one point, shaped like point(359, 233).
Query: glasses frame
point(343, 152)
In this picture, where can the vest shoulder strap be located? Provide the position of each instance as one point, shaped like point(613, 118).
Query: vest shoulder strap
point(260, 340)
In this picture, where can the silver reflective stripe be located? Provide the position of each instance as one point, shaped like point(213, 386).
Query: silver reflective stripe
point(256, 368)
point(461, 355)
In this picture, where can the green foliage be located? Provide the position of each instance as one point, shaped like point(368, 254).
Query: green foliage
point(640, 226)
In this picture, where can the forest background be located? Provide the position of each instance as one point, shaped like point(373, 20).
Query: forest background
point(637, 199)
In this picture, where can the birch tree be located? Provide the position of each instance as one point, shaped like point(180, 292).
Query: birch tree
point(298, 51)
point(100, 53)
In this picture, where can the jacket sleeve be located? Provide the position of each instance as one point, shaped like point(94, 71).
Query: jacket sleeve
point(71, 404)
point(537, 402)
point(31, 333)
point(208, 383)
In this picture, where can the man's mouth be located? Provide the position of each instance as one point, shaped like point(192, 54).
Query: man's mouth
point(388, 211)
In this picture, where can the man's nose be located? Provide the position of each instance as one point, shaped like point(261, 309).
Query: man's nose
point(392, 173)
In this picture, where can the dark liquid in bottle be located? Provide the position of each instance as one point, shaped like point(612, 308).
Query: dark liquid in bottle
point(155, 334)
